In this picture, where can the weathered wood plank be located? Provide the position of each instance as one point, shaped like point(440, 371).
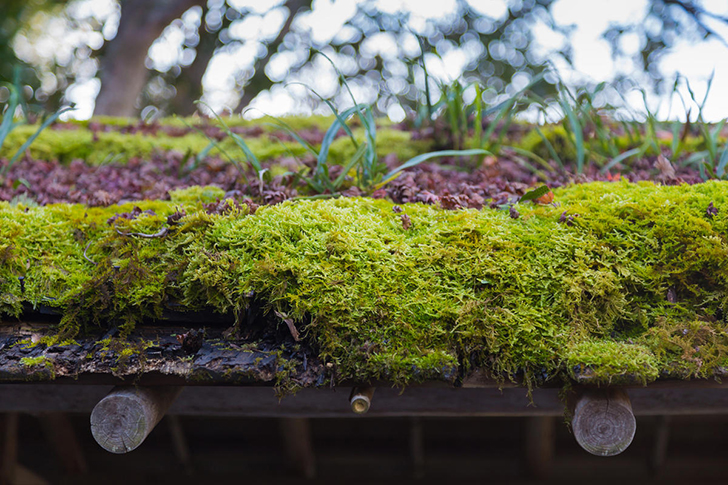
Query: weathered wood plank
point(414, 401)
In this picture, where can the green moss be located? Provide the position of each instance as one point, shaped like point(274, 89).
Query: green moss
point(33, 361)
point(103, 146)
point(633, 289)
point(41, 366)
point(194, 195)
point(612, 362)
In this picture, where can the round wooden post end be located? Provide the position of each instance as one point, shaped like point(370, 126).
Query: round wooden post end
point(361, 399)
point(603, 423)
point(119, 423)
point(122, 420)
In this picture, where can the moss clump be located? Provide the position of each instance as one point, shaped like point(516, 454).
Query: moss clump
point(41, 360)
point(193, 195)
point(633, 288)
point(612, 362)
point(41, 366)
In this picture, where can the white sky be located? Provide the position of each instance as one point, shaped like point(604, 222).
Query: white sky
point(592, 55)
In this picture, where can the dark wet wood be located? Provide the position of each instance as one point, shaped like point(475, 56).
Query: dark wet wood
point(296, 434)
point(149, 353)
point(539, 443)
point(179, 443)
point(8, 448)
point(329, 403)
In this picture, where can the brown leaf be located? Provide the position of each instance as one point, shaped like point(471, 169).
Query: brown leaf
point(711, 211)
point(666, 169)
point(547, 198)
point(406, 221)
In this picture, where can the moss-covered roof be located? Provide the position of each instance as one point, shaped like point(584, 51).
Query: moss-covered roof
point(613, 282)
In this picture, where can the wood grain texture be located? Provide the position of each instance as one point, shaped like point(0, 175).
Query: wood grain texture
point(603, 422)
point(122, 420)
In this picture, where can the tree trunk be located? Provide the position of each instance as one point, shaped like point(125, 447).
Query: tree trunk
point(123, 72)
point(260, 80)
point(189, 83)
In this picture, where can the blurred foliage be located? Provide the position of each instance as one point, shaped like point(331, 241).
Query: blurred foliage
point(385, 55)
point(666, 23)
point(15, 16)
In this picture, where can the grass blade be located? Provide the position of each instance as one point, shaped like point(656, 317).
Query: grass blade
point(8, 123)
point(550, 148)
point(576, 130)
point(249, 155)
point(619, 158)
point(214, 144)
point(530, 155)
point(414, 161)
point(347, 168)
point(48, 121)
point(330, 136)
point(720, 169)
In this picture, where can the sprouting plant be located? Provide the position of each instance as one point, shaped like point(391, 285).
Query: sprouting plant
point(459, 113)
point(364, 167)
point(713, 160)
point(9, 123)
point(319, 179)
point(250, 157)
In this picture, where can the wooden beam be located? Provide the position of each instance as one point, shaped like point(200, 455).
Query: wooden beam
point(8, 448)
point(417, 447)
point(539, 441)
point(62, 438)
point(122, 420)
point(179, 443)
point(26, 476)
point(603, 423)
point(296, 433)
point(329, 403)
point(659, 450)
point(361, 399)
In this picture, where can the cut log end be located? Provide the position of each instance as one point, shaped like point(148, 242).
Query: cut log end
point(603, 422)
point(119, 423)
point(361, 399)
point(122, 420)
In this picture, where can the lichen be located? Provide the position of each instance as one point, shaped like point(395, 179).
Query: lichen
point(634, 288)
